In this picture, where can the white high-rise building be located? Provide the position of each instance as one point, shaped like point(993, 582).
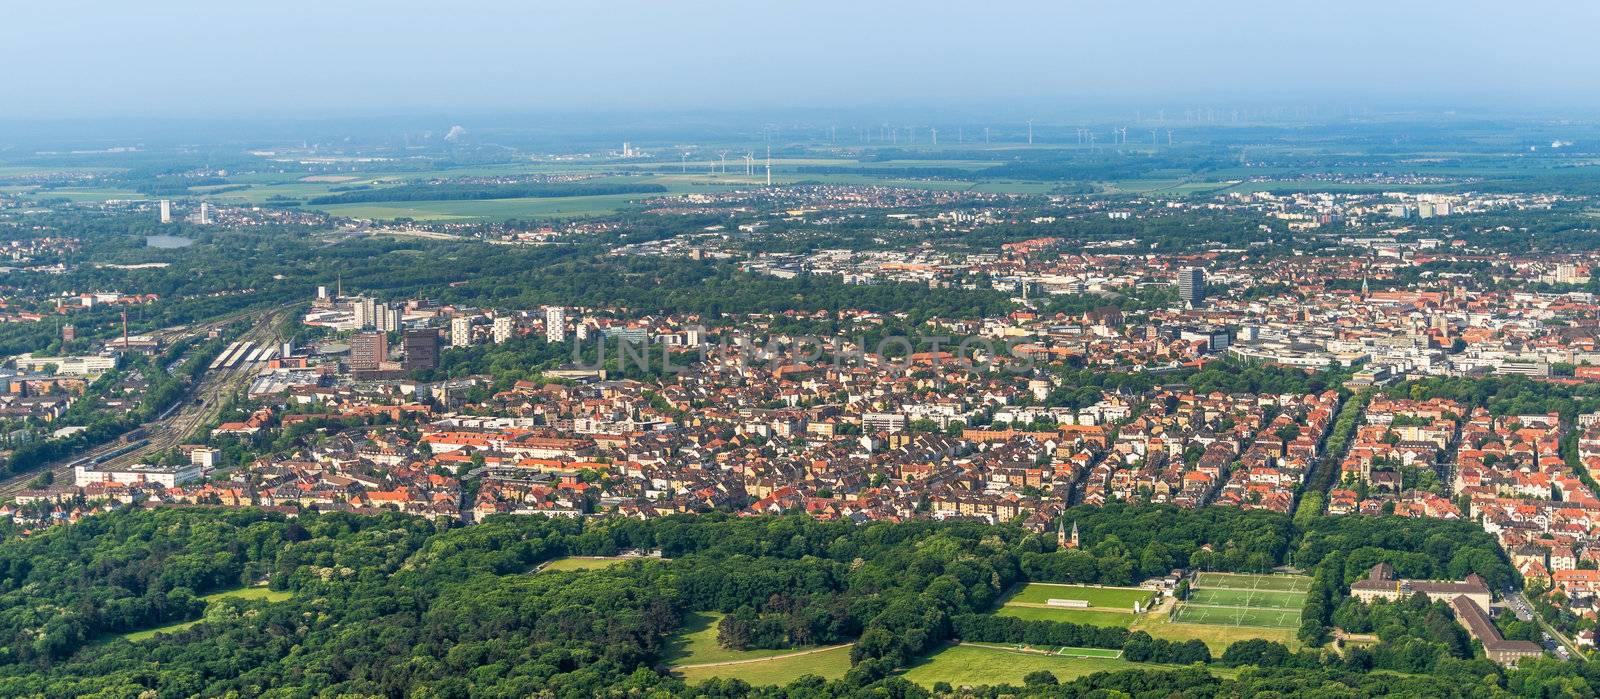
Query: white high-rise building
point(555, 324)
point(388, 319)
point(503, 327)
point(366, 310)
point(166, 211)
point(205, 213)
point(461, 331)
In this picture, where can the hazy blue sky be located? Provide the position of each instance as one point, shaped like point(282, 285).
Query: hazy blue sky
point(74, 58)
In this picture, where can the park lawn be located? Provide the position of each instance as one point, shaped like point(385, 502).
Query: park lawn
point(829, 663)
point(1216, 637)
point(1076, 616)
point(973, 665)
point(243, 593)
point(250, 593)
point(696, 643)
point(148, 634)
point(1098, 597)
point(571, 563)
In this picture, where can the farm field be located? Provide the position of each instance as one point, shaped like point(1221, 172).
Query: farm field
point(983, 664)
point(830, 663)
point(560, 207)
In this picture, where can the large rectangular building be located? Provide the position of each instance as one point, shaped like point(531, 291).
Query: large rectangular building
point(1495, 646)
point(166, 476)
point(1381, 583)
point(368, 351)
point(422, 349)
point(1192, 286)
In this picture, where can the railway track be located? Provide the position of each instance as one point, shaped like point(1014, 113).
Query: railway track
point(199, 406)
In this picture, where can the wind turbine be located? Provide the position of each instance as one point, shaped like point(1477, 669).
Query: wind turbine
point(935, 131)
point(1030, 132)
point(769, 166)
point(749, 163)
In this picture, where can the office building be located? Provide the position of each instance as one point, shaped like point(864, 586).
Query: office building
point(422, 349)
point(368, 351)
point(555, 324)
point(461, 331)
point(166, 211)
point(1192, 286)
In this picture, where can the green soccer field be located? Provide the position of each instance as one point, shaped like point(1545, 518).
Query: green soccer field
point(1121, 598)
point(1092, 617)
point(1238, 616)
point(1265, 599)
point(1248, 581)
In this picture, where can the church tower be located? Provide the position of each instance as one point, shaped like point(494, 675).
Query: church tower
point(1062, 539)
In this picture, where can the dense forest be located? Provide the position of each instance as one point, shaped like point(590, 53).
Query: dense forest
point(400, 606)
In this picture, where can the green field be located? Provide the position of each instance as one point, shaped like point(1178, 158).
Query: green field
point(1216, 637)
point(570, 563)
point(830, 663)
point(1266, 599)
point(1075, 616)
point(244, 593)
point(696, 644)
point(1247, 581)
point(1239, 616)
point(981, 664)
point(1233, 599)
point(1120, 598)
point(1108, 606)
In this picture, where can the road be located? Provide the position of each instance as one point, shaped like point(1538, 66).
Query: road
point(1524, 610)
point(199, 406)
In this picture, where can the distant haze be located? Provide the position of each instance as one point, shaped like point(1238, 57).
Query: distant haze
point(94, 59)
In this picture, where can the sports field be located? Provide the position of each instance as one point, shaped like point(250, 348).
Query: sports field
point(1108, 606)
point(1249, 581)
point(1077, 616)
point(1121, 598)
point(1236, 599)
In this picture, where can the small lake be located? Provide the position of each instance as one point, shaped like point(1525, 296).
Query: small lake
point(167, 241)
